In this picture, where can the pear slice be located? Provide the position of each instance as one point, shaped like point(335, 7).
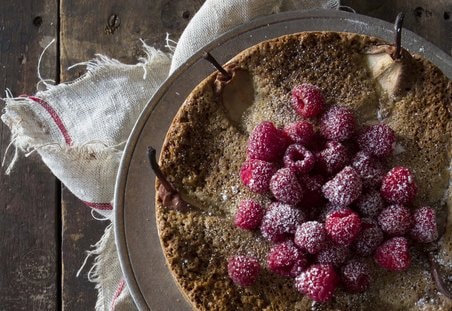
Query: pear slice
point(236, 94)
point(391, 65)
point(234, 89)
point(394, 75)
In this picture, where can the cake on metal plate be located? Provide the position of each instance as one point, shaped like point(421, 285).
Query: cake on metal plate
point(311, 171)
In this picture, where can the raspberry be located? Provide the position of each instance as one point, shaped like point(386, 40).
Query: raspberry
point(355, 276)
point(398, 186)
point(301, 132)
point(286, 259)
point(425, 229)
point(307, 100)
point(267, 143)
point(243, 270)
point(318, 282)
point(370, 203)
point(299, 159)
point(333, 254)
point(344, 188)
point(338, 123)
point(256, 175)
point(333, 158)
point(342, 226)
point(312, 191)
point(311, 236)
point(395, 220)
point(249, 215)
point(368, 239)
point(328, 209)
point(369, 168)
point(378, 140)
point(285, 186)
point(280, 221)
point(393, 254)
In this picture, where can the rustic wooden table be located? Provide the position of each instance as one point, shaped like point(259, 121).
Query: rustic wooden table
point(44, 229)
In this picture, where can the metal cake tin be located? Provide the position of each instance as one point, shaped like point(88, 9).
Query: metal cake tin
point(142, 261)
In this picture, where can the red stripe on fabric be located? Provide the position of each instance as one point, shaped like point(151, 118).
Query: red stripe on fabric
point(118, 292)
point(101, 206)
point(56, 118)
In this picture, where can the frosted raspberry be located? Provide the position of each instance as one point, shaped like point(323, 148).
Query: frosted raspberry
point(243, 270)
point(267, 143)
point(256, 175)
point(425, 228)
point(318, 282)
point(343, 226)
point(312, 195)
point(286, 259)
point(395, 220)
point(307, 100)
point(280, 221)
point(301, 132)
point(369, 168)
point(355, 276)
point(399, 186)
point(344, 188)
point(333, 158)
point(311, 236)
point(327, 209)
point(368, 239)
point(370, 203)
point(249, 215)
point(299, 159)
point(337, 123)
point(285, 186)
point(393, 254)
point(378, 140)
point(333, 254)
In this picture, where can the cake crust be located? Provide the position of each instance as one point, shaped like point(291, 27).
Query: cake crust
point(206, 145)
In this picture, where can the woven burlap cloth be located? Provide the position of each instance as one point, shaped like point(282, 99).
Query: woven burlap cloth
point(80, 128)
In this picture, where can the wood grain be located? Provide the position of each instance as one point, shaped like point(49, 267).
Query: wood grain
point(29, 217)
point(429, 19)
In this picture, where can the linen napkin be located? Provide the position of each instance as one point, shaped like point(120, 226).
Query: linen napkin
point(80, 128)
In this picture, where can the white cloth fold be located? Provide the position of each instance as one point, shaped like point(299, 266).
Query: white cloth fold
point(79, 128)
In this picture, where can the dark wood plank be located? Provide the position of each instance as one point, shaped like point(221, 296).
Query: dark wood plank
point(429, 19)
point(113, 28)
point(29, 196)
point(80, 232)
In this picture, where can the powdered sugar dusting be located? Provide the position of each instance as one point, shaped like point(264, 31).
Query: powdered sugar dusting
point(398, 186)
point(311, 236)
point(370, 169)
point(256, 175)
point(395, 220)
point(280, 221)
point(370, 203)
point(285, 186)
point(378, 140)
point(333, 158)
point(338, 123)
point(425, 228)
point(344, 188)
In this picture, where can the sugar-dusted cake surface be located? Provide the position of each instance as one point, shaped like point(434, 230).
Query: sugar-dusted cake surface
point(206, 146)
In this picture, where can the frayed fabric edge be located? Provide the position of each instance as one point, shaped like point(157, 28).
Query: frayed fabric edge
point(101, 62)
point(94, 271)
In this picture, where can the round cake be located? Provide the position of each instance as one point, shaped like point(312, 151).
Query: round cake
point(210, 143)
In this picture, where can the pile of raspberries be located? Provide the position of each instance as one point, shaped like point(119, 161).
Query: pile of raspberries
point(332, 201)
